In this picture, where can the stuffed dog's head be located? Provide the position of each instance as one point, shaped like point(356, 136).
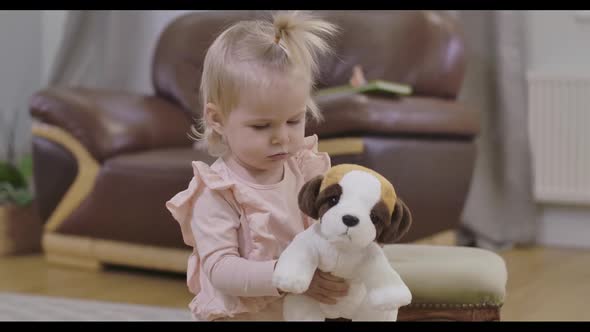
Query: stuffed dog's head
point(355, 206)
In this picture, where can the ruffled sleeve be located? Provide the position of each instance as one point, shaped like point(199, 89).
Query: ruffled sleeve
point(180, 208)
point(311, 162)
point(181, 205)
point(209, 214)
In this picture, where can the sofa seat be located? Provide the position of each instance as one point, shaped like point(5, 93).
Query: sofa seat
point(135, 187)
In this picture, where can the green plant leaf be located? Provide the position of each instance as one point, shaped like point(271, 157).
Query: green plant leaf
point(26, 168)
point(10, 174)
point(3, 197)
point(22, 197)
point(11, 195)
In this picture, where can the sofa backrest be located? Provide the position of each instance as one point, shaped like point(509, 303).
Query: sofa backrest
point(422, 48)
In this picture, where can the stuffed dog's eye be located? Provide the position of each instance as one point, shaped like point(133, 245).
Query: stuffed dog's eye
point(333, 200)
point(374, 218)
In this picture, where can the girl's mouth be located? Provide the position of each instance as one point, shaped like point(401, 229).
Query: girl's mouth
point(279, 156)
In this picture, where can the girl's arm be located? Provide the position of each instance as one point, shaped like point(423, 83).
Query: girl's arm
point(215, 228)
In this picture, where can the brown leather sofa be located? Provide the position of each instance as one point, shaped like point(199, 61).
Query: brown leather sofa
point(105, 162)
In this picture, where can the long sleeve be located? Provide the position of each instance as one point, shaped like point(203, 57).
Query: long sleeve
point(215, 229)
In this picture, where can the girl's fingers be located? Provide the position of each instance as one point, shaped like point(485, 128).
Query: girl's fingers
point(331, 290)
point(331, 285)
point(321, 297)
point(329, 276)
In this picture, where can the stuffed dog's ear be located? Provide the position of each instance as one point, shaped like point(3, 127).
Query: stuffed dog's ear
point(401, 220)
point(308, 196)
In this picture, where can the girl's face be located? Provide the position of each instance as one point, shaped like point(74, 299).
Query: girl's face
point(267, 127)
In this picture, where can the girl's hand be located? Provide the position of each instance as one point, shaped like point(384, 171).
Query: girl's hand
point(326, 288)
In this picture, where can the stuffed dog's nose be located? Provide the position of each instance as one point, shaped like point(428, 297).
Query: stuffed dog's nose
point(349, 220)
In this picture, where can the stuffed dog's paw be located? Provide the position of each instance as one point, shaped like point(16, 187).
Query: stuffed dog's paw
point(291, 282)
point(389, 298)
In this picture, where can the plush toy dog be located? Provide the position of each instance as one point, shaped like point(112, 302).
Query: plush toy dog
point(357, 208)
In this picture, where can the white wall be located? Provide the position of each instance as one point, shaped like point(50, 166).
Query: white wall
point(559, 41)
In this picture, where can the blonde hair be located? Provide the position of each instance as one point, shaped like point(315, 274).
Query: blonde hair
point(247, 50)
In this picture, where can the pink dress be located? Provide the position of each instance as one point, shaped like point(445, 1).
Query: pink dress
point(238, 229)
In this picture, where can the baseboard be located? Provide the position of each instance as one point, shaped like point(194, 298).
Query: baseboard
point(564, 226)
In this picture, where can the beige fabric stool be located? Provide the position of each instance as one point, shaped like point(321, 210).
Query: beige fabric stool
point(449, 282)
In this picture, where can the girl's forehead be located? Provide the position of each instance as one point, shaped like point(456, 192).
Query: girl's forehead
point(281, 97)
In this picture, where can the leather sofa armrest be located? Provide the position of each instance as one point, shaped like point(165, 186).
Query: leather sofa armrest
point(355, 115)
point(108, 123)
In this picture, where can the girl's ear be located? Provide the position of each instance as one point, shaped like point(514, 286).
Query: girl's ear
point(214, 118)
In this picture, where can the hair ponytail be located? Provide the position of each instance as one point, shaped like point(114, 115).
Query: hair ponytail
point(301, 36)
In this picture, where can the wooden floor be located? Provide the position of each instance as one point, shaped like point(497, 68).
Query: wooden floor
point(544, 284)
point(32, 275)
point(547, 284)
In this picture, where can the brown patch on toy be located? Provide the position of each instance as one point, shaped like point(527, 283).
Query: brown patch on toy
point(328, 198)
point(308, 195)
point(401, 220)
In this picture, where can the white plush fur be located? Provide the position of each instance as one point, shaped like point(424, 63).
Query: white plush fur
point(376, 289)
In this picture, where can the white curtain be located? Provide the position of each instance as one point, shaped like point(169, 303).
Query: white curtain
point(20, 76)
point(109, 49)
point(500, 211)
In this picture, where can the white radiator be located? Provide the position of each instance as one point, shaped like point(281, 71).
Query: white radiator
point(559, 128)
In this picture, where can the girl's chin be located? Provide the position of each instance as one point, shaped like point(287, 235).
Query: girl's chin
point(268, 165)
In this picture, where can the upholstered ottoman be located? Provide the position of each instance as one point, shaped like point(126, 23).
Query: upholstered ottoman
point(449, 282)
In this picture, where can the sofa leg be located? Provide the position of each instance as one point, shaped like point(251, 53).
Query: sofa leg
point(86, 263)
point(70, 251)
point(91, 253)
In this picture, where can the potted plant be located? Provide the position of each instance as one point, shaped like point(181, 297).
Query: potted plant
point(20, 225)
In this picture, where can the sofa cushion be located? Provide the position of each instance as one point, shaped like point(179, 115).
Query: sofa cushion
point(128, 200)
point(359, 115)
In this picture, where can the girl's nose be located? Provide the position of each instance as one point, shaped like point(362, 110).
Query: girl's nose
point(281, 136)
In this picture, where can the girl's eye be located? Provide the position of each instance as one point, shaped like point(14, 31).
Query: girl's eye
point(294, 122)
point(259, 127)
point(374, 218)
point(333, 200)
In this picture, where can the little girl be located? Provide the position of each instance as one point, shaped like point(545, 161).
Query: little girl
point(240, 213)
